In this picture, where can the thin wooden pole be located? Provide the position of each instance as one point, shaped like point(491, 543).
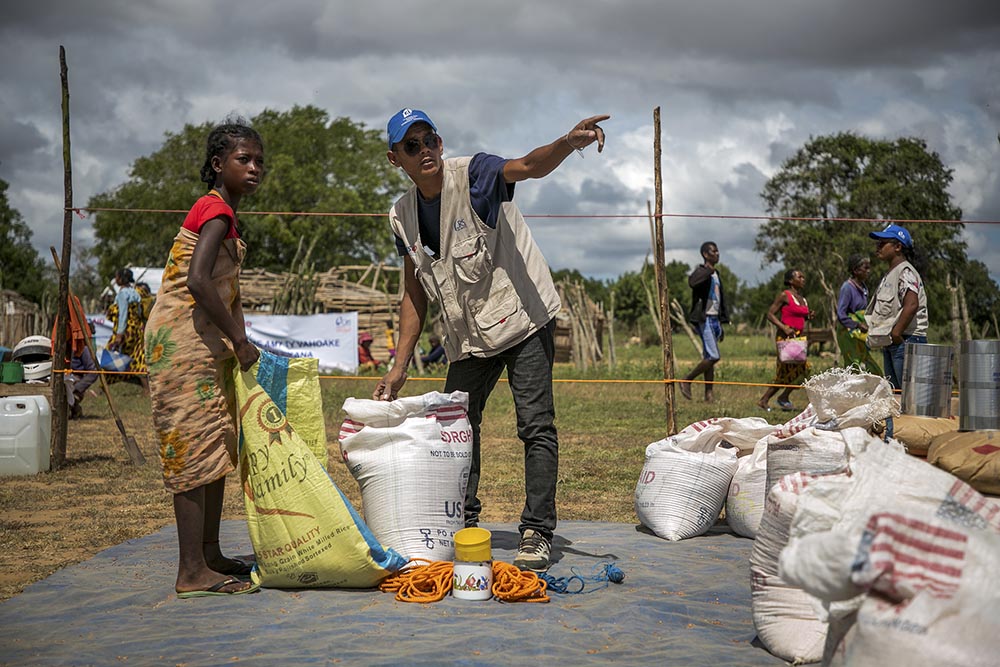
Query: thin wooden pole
point(661, 282)
point(612, 354)
point(964, 307)
point(60, 407)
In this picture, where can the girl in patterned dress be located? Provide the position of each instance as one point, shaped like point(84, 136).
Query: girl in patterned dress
point(195, 337)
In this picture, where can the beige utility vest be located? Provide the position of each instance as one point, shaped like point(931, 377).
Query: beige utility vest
point(884, 308)
point(493, 285)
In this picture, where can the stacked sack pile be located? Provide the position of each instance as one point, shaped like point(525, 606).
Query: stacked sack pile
point(900, 557)
point(837, 572)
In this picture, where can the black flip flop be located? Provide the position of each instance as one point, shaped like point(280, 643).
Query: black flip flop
point(238, 567)
point(216, 590)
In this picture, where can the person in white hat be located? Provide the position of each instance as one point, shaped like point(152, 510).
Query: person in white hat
point(466, 246)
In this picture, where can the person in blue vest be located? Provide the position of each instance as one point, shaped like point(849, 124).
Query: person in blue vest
point(466, 246)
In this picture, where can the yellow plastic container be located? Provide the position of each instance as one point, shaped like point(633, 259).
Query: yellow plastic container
point(473, 570)
point(473, 545)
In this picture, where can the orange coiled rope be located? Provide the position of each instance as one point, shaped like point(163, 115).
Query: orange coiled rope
point(511, 584)
point(430, 581)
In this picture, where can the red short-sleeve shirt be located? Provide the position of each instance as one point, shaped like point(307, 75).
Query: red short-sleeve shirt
point(208, 208)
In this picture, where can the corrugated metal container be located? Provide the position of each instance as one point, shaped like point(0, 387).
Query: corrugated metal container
point(927, 380)
point(979, 385)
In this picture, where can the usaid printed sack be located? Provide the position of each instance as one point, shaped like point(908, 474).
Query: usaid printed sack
point(303, 530)
point(411, 459)
point(747, 492)
point(683, 484)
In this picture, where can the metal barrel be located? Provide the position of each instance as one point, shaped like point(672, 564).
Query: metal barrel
point(979, 385)
point(927, 380)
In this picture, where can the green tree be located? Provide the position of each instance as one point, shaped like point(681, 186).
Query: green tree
point(21, 269)
point(850, 176)
point(632, 291)
point(757, 299)
point(597, 290)
point(314, 165)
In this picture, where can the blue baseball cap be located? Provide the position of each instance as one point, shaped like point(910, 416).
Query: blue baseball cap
point(894, 233)
point(401, 122)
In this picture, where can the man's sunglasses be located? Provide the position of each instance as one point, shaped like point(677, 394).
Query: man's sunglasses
point(412, 146)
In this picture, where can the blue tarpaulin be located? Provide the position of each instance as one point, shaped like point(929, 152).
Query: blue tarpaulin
point(681, 603)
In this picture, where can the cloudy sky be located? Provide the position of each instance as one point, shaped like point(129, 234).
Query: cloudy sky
point(741, 85)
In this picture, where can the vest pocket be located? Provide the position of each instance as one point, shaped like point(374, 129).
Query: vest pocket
point(502, 322)
point(472, 259)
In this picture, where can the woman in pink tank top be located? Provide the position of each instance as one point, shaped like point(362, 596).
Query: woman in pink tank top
point(794, 311)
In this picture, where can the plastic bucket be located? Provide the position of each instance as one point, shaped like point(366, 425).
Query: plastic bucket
point(927, 380)
point(11, 372)
point(473, 570)
point(473, 544)
point(25, 429)
point(979, 385)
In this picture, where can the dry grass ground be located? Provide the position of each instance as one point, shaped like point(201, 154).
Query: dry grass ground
point(98, 499)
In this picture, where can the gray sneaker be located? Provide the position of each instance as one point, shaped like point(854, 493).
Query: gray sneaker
point(533, 552)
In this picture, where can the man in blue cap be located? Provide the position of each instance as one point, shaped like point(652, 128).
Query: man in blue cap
point(466, 246)
point(897, 313)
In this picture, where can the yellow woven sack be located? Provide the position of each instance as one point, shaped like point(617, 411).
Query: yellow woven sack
point(304, 531)
point(293, 385)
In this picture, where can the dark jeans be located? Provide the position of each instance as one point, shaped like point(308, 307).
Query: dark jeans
point(892, 360)
point(529, 373)
point(85, 362)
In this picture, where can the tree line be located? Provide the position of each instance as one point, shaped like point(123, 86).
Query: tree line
point(322, 164)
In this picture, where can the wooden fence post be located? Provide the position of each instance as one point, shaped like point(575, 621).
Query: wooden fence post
point(661, 283)
point(60, 408)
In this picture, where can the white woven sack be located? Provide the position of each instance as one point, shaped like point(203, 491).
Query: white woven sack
point(743, 433)
point(811, 450)
point(838, 391)
point(933, 595)
point(683, 483)
point(832, 516)
point(784, 615)
point(800, 422)
point(747, 491)
point(411, 459)
point(830, 520)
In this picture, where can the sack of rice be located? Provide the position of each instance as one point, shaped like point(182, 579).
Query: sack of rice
point(932, 595)
point(411, 459)
point(684, 481)
point(747, 491)
point(303, 530)
point(811, 450)
point(785, 616)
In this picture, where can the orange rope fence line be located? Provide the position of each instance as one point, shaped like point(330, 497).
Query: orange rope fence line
point(643, 216)
point(427, 581)
point(372, 378)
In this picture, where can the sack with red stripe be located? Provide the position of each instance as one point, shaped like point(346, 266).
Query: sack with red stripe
point(933, 593)
point(831, 520)
point(411, 459)
point(788, 620)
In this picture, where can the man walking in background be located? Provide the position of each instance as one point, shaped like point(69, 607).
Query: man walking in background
point(708, 313)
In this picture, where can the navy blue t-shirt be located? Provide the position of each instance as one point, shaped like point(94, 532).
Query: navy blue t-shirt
point(487, 190)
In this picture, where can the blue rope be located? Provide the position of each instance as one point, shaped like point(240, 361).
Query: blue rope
point(602, 573)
